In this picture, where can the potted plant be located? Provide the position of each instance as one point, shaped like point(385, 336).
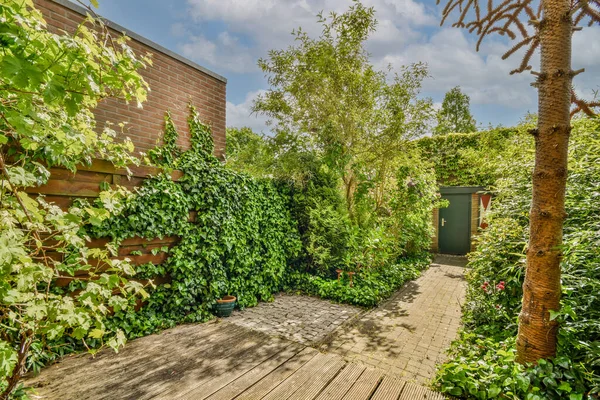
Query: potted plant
point(225, 306)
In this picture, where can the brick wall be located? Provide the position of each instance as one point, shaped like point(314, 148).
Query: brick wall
point(174, 83)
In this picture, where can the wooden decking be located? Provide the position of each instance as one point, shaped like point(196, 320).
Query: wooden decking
point(220, 361)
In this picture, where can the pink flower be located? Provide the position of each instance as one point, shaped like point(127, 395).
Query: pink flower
point(500, 286)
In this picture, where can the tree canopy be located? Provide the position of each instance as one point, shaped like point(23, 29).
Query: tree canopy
point(455, 114)
point(326, 96)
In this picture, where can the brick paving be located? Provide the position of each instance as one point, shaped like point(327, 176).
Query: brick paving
point(408, 334)
point(303, 319)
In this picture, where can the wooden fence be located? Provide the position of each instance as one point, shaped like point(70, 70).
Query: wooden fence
point(64, 187)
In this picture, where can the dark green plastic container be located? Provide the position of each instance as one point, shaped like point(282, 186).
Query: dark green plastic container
point(225, 306)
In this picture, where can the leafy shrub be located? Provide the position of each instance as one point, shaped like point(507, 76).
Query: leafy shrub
point(484, 368)
point(370, 285)
point(50, 84)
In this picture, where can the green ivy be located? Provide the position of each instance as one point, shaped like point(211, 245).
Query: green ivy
point(370, 285)
point(239, 242)
point(459, 158)
point(168, 152)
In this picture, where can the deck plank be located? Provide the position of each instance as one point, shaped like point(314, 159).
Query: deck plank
point(170, 364)
point(233, 370)
point(389, 389)
point(365, 385)
point(318, 381)
point(416, 392)
point(319, 363)
point(71, 368)
point(78, 377)
point(248, 379)
point(342, 383)
point(272, 380)
point(191, 371)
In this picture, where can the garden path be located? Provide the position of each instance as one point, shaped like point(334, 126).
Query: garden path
point(409, 333)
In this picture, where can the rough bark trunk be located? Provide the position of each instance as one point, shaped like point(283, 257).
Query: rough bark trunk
point(537, 335)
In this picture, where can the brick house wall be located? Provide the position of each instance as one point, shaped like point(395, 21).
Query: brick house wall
point(174, 83)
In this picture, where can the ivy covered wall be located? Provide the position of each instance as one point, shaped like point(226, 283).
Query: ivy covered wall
point(458, 159)
point(238, 241)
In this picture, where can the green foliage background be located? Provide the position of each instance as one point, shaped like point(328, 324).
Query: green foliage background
point(482, 363)
point(459, 159)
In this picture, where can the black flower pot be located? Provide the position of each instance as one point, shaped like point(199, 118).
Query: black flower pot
point(225, 306)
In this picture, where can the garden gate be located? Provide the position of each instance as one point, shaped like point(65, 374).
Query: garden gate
point(459, 221)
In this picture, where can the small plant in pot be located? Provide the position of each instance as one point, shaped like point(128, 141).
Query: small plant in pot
point(225, 306)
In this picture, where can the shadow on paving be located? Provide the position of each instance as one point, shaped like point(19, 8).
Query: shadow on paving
point(162, 367)
point(410, 331)
point(374, 327)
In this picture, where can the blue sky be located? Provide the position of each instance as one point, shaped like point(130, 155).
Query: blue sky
point(228, 36)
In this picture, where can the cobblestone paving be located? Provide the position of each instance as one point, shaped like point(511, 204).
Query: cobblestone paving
point(408, 334)
point(303, 319)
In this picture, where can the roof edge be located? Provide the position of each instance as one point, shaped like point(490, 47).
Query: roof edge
point(82, 11)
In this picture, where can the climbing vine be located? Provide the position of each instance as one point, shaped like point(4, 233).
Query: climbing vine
point(239, 241)
point(459, 159)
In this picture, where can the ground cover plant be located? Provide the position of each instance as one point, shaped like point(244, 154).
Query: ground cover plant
point(482, 363)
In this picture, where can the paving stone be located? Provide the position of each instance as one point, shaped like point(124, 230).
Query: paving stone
point(304, 319)
point(409, 334)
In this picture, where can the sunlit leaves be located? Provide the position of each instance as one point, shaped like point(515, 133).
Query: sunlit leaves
point(48, 85)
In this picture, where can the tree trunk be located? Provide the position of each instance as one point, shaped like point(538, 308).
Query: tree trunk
point(537, 335)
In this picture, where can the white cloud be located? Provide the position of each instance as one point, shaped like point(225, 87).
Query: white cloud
point(399, 40)
point(268, 23)
point(178, 29)
point(239, 115)
point(453, 61)
point(224, 53)
point(586, 53)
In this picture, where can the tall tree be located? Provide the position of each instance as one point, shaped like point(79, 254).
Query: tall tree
point(326, 96)
point(455, 114)
point(553, 24)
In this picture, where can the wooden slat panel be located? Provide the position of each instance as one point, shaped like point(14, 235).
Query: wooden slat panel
point(364, 387)
point(342, 383)
point(61, 174)
point(135, 241)
point(67, 188)
point(389, 389)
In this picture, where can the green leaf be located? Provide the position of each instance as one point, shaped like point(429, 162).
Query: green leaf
point(493, 391)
